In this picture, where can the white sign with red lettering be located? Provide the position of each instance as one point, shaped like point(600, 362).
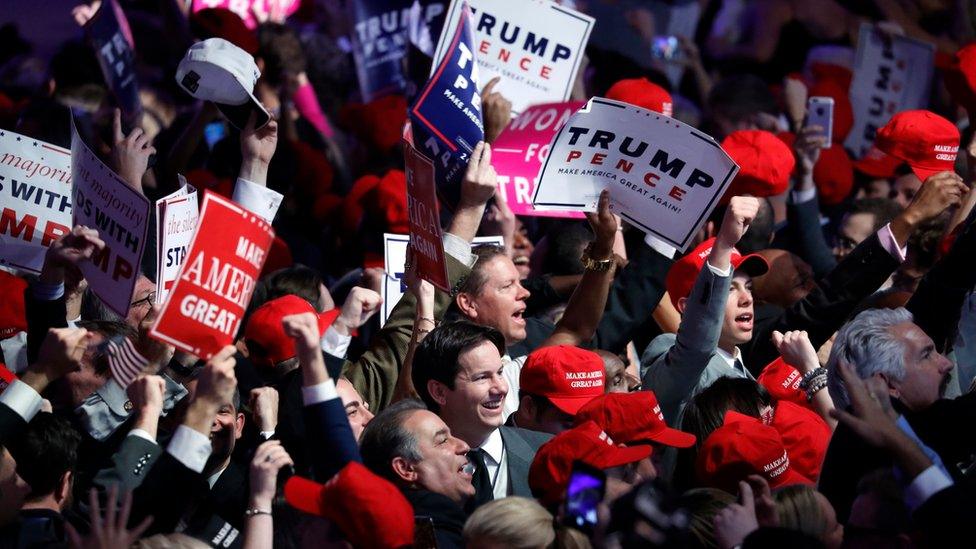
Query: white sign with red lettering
point(394, 262)
point(664, 176)
point(535, 46)
point(104, 201)
point(35, 199)
point(176, 221)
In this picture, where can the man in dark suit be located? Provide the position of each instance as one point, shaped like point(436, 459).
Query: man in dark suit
point(47, 455)
point(20, 402)
point(458, 373)
point(194, 486)
point(918, 381)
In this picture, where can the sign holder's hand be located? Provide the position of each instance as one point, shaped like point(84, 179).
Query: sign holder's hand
point(130, 153)
point(68, 252)
point(495, 110)
point(257, 148)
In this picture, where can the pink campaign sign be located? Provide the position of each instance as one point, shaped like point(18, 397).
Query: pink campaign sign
point(520, 150)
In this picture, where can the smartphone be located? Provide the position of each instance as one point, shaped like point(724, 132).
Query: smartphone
point(665, 47)
point(587, 486)
point(820, 112)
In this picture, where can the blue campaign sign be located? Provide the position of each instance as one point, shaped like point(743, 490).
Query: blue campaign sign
point(446, 117)
point(110, 37)
point(380, 38)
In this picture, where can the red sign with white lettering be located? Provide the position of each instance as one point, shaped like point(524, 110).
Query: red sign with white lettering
point(203, 311)
point(424, 219)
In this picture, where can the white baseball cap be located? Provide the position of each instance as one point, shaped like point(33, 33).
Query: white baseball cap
point(217, 70)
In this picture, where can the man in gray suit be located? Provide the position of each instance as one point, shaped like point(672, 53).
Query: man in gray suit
point(458, 372)
point(713, 322)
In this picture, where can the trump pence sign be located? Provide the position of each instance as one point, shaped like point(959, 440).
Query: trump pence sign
point(664, 176)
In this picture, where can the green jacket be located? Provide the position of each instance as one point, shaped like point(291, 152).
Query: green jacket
point(375, 374)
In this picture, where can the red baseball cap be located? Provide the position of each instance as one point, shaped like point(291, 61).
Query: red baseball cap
point(960, 77)
point(369, 510)
point(378, 123)
point(13, 314)
point(783, 382)
point(925, 140)
point(833, 174)
point(223, 23)
point(266, 336)
point(642, 93)
point(568, 376)
point(553, 463)
point(765, 163)
point(743, 446)
point(832, 72)
point(805, 435)
point(388, 202)
point(683, 273)
point(632, 418)
point(875, 163)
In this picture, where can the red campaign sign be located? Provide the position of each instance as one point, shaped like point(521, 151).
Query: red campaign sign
point(204, 309)
point(424, 219)
point(519, 151)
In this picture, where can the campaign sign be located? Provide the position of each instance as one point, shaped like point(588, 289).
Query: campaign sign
point(520, 150)
point(535, 46)
point(395, 260)
point(446, 117)
point(424, 219)
point(204, 309)
point(176, 221)
point(35, 199)
point(664, 176)
point(380, 39)
point(104, 201)
point(110, 37)
point(891, 74)
point(252, 12)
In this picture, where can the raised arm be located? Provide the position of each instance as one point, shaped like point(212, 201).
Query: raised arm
point(329, 434)
point(376, 373)
point(675, 376)
point(826, 308)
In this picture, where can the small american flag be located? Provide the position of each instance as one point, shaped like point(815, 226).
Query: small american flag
point(124, 361)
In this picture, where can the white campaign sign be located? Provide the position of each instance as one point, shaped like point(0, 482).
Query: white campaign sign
point(664, 176)
point(891, 74)
point(103, 201)
point(176, 221)
point(394, 261)
point(35, 199)
point(535, 46)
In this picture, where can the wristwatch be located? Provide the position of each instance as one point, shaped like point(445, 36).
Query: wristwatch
point(599, 265)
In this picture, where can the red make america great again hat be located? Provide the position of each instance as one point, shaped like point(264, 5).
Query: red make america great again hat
point(925, 140)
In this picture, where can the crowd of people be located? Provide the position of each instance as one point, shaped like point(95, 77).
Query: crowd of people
point(802, 376)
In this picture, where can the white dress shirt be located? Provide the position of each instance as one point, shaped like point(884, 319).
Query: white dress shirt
point(496, 461)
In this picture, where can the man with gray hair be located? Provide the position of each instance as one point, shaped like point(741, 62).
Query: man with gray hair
point(887, 344)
